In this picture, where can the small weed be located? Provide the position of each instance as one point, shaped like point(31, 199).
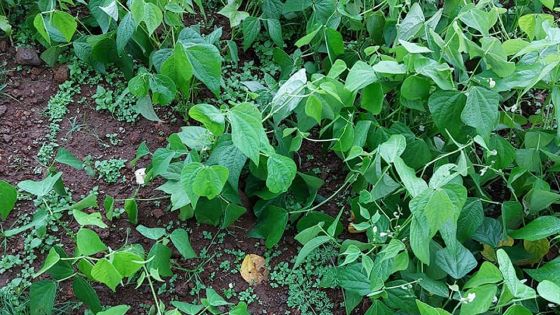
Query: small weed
point(110, 170)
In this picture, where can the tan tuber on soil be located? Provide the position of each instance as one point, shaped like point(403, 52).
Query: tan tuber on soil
point(253, 269)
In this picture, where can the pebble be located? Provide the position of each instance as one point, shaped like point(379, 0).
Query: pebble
point(3, 110)
point(27, 56)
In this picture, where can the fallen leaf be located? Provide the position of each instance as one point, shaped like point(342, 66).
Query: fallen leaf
point(352, 229)
point(253, 269)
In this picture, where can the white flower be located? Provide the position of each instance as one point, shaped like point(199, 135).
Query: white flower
point(470, 297)
point(491, 83)
point(495, 299)
point(140, 174)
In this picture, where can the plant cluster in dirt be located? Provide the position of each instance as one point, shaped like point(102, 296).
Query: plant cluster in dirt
point(237, 157)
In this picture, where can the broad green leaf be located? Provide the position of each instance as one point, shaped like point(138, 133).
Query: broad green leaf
point(481, 110)
point(151, 233)
point(206, 64)
point(479, 19)
point(414, 185)
point(231, 214)
point(127, 262)
point(549, 291)
point(281, 172)
point(131, 209)
point(488, 273)
point(187, 307)
point(372, 98)
point(310, 247)
point(456, 261)
point(392, 148)
point(42, 295)
point(210, 180)
point(196, 137)
point(179, 69)
point(247, 131)
point(314, 108)
point(84, 219)
point(66, 157)
point(389, 67)
point(152, 17)
point(482, 301)
point(125, 30)
point(415, 88)
point(289, 95)
point(270, 225)
point(145, 108)
point(541, 227)
point(52, 258)
point(160, 256)
point(275, 31)
point(180, 239)
point(214, 298)
point(104, 272)
point(88, 242)
point(64, 23)
point(225, 153)
point(515, 286)
point(411, 24)
point(360, 76)
point(414, 48)
point(115, 310)
point(8, 198)
point(440, 73)
point(40, 188)
point(84, 292)
point(426, 309)
point(531, 24)
point(210, 116)
point(251, 28)
point(163, 89)
point(446, 108)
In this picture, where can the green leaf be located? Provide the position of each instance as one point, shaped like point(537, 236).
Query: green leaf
point(151, 233)
point(531, 24)
point(281, 172)
point(127, 262)
point(360, 76)
point(440, 73)
point(414, 185)
point(310, 247)
point(231, 214)
point(426, 309)
point(66, 157)
point(314, 108)
point(115, 310)
point(126, 29)
point(86, 294)
point(482, 301)
point(207, 65)
point(392, 148)
point(210, 180)
point(541, 227)
point(456, 261)
point(40, 188)
point(196, 137)
point(89, 243)
point(210, 116)
point(289, 95)
point(481, 110)
point(247, 131)
point(163, 89)
point(214, 298)
point(251, 28)
point(64, 23)
point(225, 153)
point(152, 17)
point(415, 88)
point(411, 24)
point(52, 258)
point(8, 198)
point(372, 98)
point(488, 273)
point(271, 225)
point(275, 31)
point(180, 239)
point(335, 43)
point(179, 69)
point(549, 291)
point(145, 108)
point(104, 272)
point(478, 19)
point(41, 297)
point(161, 259)
point(516, 287)
point(446, 108)
point(84, 219)
point(40, 26)
point(131, 209)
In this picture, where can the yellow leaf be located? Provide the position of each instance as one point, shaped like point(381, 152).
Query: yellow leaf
point(253, 269)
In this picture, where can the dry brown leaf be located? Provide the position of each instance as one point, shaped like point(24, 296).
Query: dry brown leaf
point(253, 269)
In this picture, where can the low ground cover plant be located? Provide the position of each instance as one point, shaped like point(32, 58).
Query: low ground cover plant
point(442, 115)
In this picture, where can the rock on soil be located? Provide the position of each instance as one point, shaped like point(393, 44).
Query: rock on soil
point(60, 74)
point(3, 110)
point(27, 56)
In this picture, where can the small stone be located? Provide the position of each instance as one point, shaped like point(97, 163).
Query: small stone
point(7, 138)
point(4, 46)
point(27, 56)
point(3, 110)
point(61, 74)
point(158, 213)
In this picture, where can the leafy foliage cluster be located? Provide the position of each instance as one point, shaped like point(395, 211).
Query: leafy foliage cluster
point(452, 166)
